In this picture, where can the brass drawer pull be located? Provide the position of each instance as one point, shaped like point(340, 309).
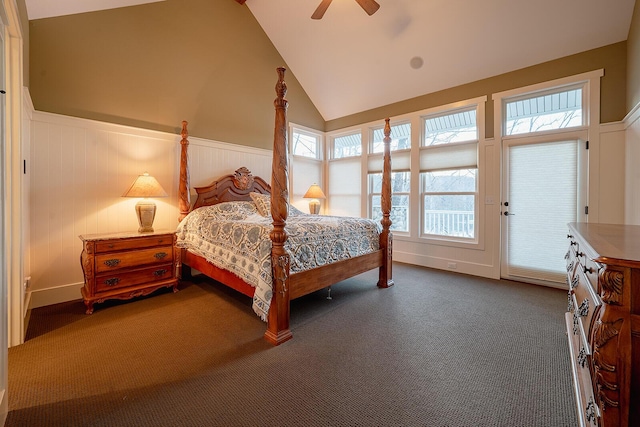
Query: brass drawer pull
point(588, 270)
point(160, 255)
point(159, 273)
point(112, 281)
point(112, 262)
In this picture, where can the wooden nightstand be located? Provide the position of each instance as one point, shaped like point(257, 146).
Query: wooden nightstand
point(127, 265)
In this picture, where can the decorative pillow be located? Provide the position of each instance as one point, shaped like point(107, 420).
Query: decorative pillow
point(263, 203)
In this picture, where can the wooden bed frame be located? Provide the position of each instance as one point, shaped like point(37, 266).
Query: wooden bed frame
point(238, 186)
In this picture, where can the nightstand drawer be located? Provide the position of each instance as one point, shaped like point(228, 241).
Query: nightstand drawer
point(118, 260)
point(109, 282)
point(135, 243)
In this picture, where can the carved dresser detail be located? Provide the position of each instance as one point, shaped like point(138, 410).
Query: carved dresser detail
point(603, 322)
point(127, 265)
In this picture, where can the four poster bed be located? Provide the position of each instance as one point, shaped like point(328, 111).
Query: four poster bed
point(295, 253)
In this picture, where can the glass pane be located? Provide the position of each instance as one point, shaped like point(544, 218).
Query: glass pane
point(456, 127)
point(399, 214)
point(543, 191)
point(400, 138)
point(347, 146)
point(305, 145)
point(449, 215)
point(400, 182)
point(450, 181)
point(547, 112)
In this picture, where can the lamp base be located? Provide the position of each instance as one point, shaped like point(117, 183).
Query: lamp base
point(314, 207)
point(146, 211)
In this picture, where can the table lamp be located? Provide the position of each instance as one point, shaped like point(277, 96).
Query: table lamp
point(145, 186)
point(314, 193)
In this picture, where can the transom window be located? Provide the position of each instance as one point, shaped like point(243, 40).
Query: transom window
point(347, 145)
point(450, 127)
point(543, 112)
point(400, 138)
point(305, 144)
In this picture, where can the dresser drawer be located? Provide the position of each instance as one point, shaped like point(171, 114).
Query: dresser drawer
point(588, 411)
point(109, 282)
point(117, 260)
point(134, 243)
point(585, 304)
point(590, 270)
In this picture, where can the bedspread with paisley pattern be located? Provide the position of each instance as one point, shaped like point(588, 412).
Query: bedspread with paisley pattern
point(235, 237)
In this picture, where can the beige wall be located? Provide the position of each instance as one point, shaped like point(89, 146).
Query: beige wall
point(611, 58)
point(154, 65)
point(633, 61)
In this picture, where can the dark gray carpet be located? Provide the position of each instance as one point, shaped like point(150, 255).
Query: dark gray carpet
point(437, 349)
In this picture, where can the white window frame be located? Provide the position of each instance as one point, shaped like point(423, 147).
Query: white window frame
point(477, 241)
point(307, 132)
point(401, 159)
point(590, 82)
point(332, 138)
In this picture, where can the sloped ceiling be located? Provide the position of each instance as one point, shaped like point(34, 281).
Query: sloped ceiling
point(350, 62)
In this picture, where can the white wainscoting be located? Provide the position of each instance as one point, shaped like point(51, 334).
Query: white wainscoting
point(78, 170)
point(632, 167)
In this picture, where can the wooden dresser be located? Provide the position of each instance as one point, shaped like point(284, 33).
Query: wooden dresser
point(603, 322)
point(127, 265)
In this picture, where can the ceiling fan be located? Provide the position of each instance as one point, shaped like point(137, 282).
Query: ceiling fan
point(369, 6)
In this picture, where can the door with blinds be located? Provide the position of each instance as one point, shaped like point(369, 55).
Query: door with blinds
point(544, 188)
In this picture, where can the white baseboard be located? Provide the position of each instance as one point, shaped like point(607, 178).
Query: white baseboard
point(55, 295)
point(474, 269)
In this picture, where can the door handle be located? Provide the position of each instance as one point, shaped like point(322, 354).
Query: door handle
point(508, 214)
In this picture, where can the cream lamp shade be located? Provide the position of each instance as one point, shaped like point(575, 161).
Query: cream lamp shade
point(145, 186)
point(314, 193)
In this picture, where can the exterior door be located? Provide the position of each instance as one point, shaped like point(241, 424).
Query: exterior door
point(544, 188)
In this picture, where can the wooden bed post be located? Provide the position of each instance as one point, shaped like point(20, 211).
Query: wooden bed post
point(386, 238)
point(278, 322)
point(184, 203)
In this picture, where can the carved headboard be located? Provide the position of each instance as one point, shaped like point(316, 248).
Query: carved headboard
point(231, 188)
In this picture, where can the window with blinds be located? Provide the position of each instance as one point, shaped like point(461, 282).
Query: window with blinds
point(448, 174)
point(400, 175)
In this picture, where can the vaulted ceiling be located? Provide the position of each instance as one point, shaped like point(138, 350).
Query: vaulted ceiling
point(350, 62)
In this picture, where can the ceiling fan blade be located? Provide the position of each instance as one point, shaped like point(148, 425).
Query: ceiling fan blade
point(369, 6)
point(322, 8)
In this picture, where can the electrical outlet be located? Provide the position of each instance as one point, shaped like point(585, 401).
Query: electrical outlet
point(452, 265)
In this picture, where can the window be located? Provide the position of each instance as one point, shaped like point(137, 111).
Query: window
point(305, 144)
point(451, 127)
point(347, 146)
point(400, 138)
point(400, 190)
point(449, 173)
point(449, 202)
point(400, 177)
point(544, 112)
